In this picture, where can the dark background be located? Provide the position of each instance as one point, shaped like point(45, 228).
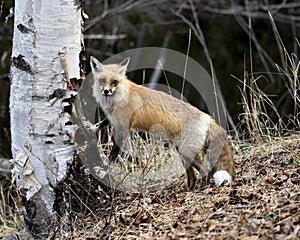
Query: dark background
point(226, 29)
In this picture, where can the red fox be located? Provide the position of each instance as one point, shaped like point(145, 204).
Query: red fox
point(194, 133)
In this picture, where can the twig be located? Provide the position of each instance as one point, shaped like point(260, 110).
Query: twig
point(105, 37)
point(185, 64)
point(65, 67)
point(4, 76)
point(1, 8)
point(279, 42)
point(50, 169)
point(263, 55)
point(157, 71)
point(112, 206)
point(200, 36)
point(123, 7)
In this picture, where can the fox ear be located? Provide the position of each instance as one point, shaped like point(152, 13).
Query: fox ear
point(124, 65)
point(95, 64)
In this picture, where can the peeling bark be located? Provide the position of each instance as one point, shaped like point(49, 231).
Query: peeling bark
point(46, 45)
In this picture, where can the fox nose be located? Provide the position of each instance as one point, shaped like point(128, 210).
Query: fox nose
point(106, 92)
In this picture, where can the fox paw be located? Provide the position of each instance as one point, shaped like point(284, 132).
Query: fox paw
point(90, 126)
point(101, 172)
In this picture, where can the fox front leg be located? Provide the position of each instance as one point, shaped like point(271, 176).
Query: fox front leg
point(114, 152)
point(118, 139)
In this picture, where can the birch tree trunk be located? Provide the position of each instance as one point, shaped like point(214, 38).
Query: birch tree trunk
point(47, 42)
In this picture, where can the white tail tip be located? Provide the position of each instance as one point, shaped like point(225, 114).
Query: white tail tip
point(221, 176)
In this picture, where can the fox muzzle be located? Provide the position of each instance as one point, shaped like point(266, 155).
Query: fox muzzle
point(108, 92)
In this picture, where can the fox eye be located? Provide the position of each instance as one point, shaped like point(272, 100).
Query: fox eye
point(102, 81)
point(114, 82)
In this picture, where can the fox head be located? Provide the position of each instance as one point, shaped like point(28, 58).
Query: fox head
point(108, 77)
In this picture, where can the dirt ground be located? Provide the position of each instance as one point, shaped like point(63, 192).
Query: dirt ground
point(262, 203)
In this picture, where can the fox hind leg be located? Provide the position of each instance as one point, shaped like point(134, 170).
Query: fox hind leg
point(190, 164)
point(219, 157)
point(190, 174)
point(223, 170)
point(203, 170)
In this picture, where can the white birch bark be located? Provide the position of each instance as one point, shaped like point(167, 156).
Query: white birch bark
point(46, 33)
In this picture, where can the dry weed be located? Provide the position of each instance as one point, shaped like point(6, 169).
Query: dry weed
point(9, 201)
point(262, 203)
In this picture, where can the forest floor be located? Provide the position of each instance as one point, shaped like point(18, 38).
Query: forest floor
point(262, 203)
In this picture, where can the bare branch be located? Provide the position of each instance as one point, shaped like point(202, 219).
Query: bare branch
point(200, 36)
point(263, 55)
point(105, 36)
point(258, 10)
point(124, 7)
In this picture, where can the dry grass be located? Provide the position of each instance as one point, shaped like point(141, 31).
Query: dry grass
point(262, 203)
point(9, 201)
point(149, 163)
